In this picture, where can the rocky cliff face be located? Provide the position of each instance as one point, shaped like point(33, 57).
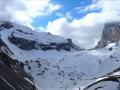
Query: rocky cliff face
point(27, 44)
point(12, 73)
point(111, 34)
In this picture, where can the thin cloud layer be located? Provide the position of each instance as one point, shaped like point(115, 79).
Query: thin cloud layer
point(86, 31)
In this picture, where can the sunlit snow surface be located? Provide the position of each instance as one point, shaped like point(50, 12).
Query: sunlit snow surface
point(71, 70)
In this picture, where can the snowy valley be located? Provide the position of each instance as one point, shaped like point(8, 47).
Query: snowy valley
point(56, 63)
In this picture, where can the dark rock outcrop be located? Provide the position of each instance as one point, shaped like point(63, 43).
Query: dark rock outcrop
point(13, 76)
point(6, 24)
point(111, 34)
point(26, 44)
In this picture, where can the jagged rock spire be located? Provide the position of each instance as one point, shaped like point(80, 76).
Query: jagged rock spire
point(111, 34)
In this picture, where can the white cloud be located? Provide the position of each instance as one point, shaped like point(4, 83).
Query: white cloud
point(67, 15)
point(56, 25)
point(53, 7)
point(87, 31)
point(92, 7)
point(24, 11)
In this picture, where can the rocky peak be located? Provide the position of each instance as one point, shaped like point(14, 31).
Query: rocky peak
point(111, 34)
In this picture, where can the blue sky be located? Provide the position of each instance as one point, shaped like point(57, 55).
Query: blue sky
point(67, 6)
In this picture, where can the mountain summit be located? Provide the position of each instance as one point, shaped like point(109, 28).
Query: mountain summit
point(111, 34)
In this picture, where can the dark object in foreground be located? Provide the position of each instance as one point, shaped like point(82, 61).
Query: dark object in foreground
point(13, 76)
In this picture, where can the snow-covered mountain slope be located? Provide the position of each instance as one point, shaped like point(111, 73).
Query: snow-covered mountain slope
point(21, 40)
point(56, 63)
point(69, 71)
